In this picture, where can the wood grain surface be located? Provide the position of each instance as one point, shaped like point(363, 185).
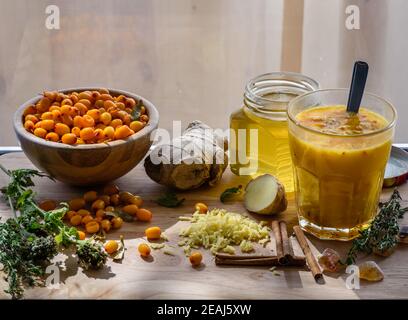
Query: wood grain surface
point(172, 277)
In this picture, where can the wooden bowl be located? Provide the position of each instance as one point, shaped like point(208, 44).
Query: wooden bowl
point(87, 164)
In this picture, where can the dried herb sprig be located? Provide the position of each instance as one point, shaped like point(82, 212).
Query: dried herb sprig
point(382, 235)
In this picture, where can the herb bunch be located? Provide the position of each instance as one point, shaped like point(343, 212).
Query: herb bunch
point(382, 235)
point(32, 238)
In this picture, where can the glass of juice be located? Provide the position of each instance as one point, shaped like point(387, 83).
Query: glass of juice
point(339, 160)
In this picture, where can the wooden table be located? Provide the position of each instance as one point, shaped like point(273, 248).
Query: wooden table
point(172, 277)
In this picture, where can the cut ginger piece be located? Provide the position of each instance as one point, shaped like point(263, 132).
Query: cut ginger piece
point(265, 195)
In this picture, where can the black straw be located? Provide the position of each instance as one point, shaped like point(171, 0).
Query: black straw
point(357, 86)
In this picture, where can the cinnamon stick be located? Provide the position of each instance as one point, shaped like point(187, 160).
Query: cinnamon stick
point(259, 260)
point(311, 260)
point(286, 243)
point(278, 239)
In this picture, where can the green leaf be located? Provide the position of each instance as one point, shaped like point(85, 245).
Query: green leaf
point(230, 193)
point(120, 253)
point(169, 200)
point(136, 112)
point(119, 213)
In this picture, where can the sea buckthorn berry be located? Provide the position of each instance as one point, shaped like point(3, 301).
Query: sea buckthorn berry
point(56, 115)
point(125, 197)
point(110, 189)
point(137, 200)
point(95, 95)
point(100, 126)
point(78, 122)
point(47, 124)
point(87, 103)
point(196, 258)
point(76, 204)
point(61, 129)
point(31, 117)
point(47, 205)
point(80, 141)
point(98, 104)
point(109, 132)
point(106, 225)
point(86, 219)
point(67, 102)
point(87, 134)
point(74, 98)
point(144, 215)
point(30, 110)
point(81, 107)
point(98, 204)
point(130, 103)
point(43, 105)
point(92, 227)
point(130, 209)
point(100, 213)
point(50, 94)
point(85, 95)
point(76, 131)
point(81, 235)
point(109, 104)
point(52, 136)
point(144, 118)
point(84, 212)
point(88, 121)
point(29, 125)
point(66, 109)
point(67, 119)
point(111, 246)
point(105, 198)
point(105, 96)
point(47, 116)
point(69, 138)
point(76, 220)
point(90, 196)
point(117, 222)
point(105, 118)
point(40, 132)
point(136, 126)
point(99, 135)
point(94, 113)
point(201, 207)
point(103, 90)
point(70, 214)
point(142, 110)
point(116, 123)
point(121, 105)
point(114, 199)
point(153, 233)
point(144, 250)
point(120, 98)
point(123, 132)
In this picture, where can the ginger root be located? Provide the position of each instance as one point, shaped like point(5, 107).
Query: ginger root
point(195, 158)
point(265, 195)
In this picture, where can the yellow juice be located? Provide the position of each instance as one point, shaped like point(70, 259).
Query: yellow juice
point(338, 173)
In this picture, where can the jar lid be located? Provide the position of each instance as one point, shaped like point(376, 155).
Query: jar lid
point(273, 91)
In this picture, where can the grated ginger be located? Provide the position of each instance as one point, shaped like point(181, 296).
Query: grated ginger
point(219, 230)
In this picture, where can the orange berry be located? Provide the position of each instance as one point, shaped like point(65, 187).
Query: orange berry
point(92, 227)
point(61, 129)
point(144, 118)
point(100, 213)
point(105, 118)
point(144, 215)
point(88, 121)
point(70, 214)
point(98, 204)
point(130, 209)
point(106, 225)
point(85, 95)
point(47, 116)
point(110, 189)
point(69, 138)
point(114, 199)
point(47, 124)
point(116, 123)
point(123, 132)
point(87, 134)
point(130, 102)
point(111, 246)
point(153, 233)
point(90, 196)
point(67, 102)
point(76, 220)
point(83, 212)
point(76, 204)
point(136, 126)
point(87, 103)
point(76, 131)
point(40, 132)
point(94, 114)
point(86, 219)
point(144, 249)
point(29, 125)
point(52, 136)
point(109, 132)
point(31, 117)
point(196, 258)
point(201, 207)
point(81, 235)
point(30, 110)
point(99, 135)
point(47, 205)
point(117, 222)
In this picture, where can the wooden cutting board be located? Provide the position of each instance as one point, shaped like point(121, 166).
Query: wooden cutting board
point(172, 277)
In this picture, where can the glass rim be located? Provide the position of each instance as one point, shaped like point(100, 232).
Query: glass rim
point(278, 75)
point(390, 125)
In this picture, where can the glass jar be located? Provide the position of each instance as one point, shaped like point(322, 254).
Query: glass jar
point(338, 176)
point(259, 130)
